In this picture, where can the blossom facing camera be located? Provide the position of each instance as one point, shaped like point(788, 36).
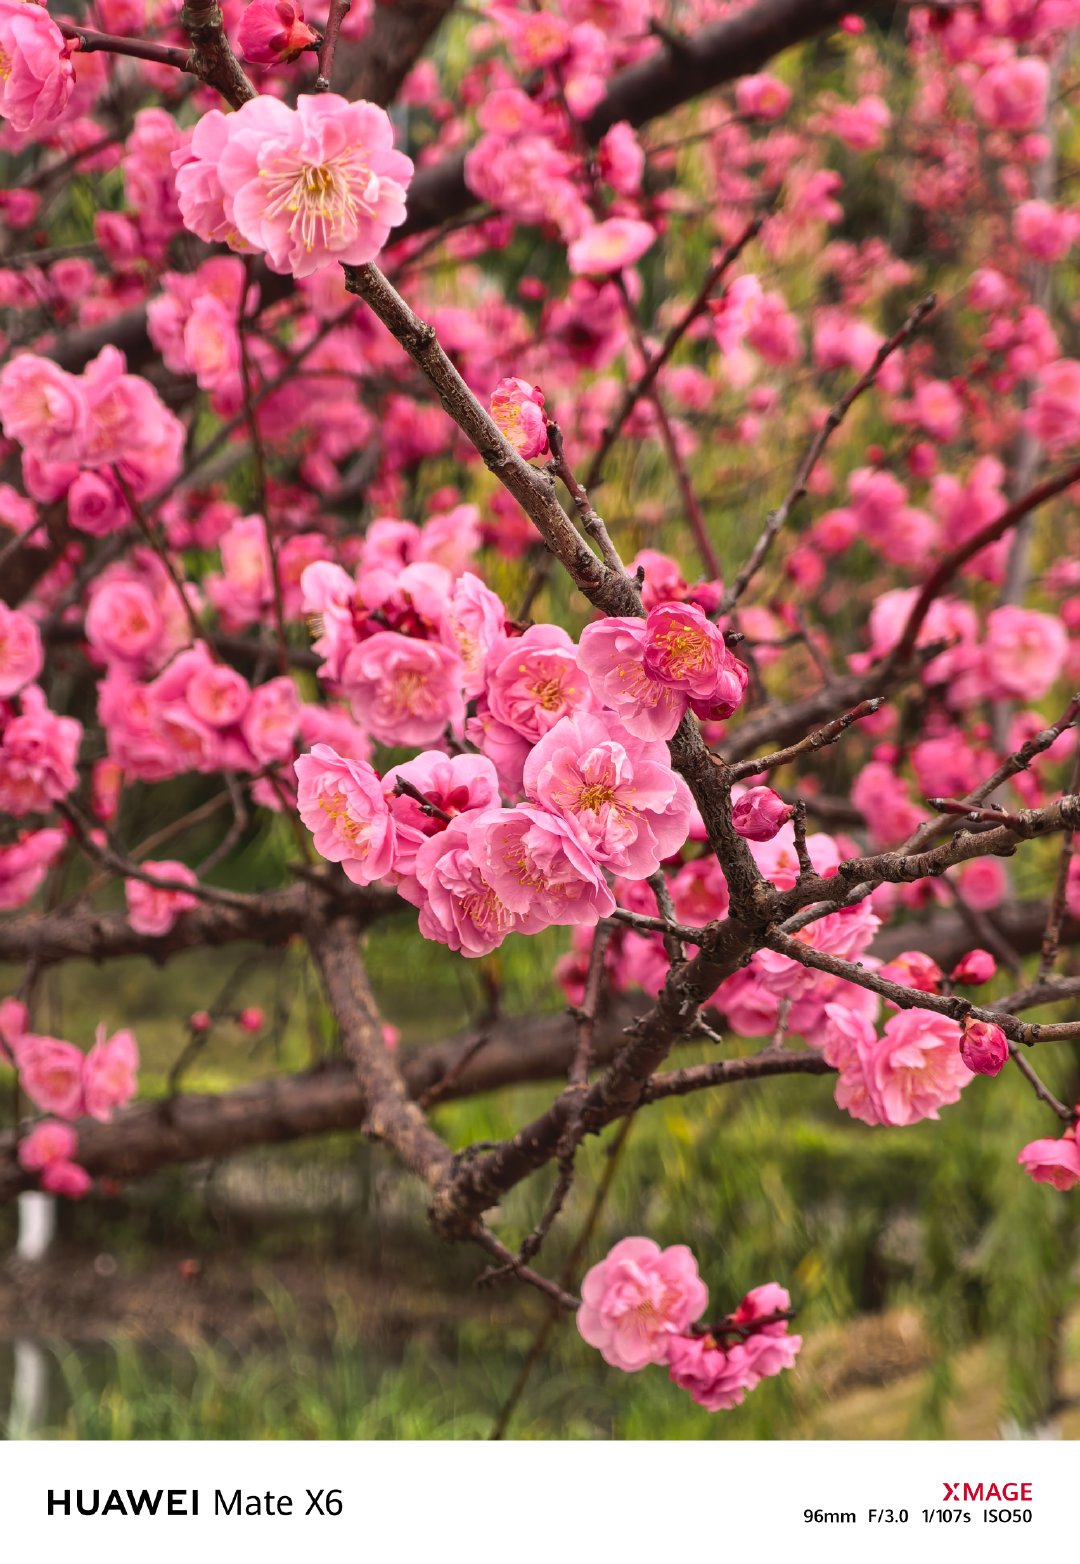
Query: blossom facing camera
point(759, 814)
point(37, 77)
point(272, 32)
point(518, 410)
point(984, 1047)
point(638, 1300)
point(1053, 1162)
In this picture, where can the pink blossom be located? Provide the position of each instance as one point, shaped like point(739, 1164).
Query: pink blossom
point(762, 97)
point(453, 784)
point(65, 1178)
point(638, 1300)
point(269, 724)
point(914, 969)
point(24, 864)
point(38, 751)
point(38, 77)
point(404, 691)
point(218, 695)
point(199, 191)
point(124, 622)
point(984, 1047)
point(617, 792)
point(153, 910)
point(518, 410)
point(48, 1141)
point(1054, 1162)
point(96, 506)
point(717, 1376)
point(41, 405)
point(538, 868)
point(109, 1073)
point(21, 655)
point(1055, 404)
point(342, 804)
point(458, 907)
point(917, 1067)
point(983, 883)
point(612, 656)
point(250, 1019)
point(861, 125)
point(610, 246)
point(13, 1020)
point(1012, 94)
point(1046, 232)
point(759, 813)
point(311, 185)
point(50, 1073)
point(621, 159)
point(977, 967)
point(937, 409)
point(474, 622)
point(685, 651)
point(532, 682)
point(272, 32)
point(1025, 652)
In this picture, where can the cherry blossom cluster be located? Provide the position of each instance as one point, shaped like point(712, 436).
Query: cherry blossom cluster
point(640, 1305)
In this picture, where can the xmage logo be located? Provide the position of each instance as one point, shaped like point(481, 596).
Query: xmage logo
point(987, 1493)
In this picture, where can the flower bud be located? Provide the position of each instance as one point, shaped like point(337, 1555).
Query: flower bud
point(518, 410)
point(978, 966)
point(983, 1047)
point(759, 814)
point(272, 32)
point(250, 1020)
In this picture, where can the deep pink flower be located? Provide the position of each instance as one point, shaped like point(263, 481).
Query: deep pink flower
point(65, 1178)
point(342, 804)
point(37, 78)
point(51, 1074)
point(270, 721)
point(38, 752)
point(984, 1048)
point(24, 864)
point(1055, 1162)
point(458, 907)
point(914, 969)
point(454, 784)
point(109, 1073)
point(617, 793)
point(518, 410)
point(759, 813)
point(685, 650)
point(638, 1300)
point(218, 695)
point(405, 691)
point(21, 655)
point(152, 910)
point(978, 966)
point(612, 655)
point(272, 32)
point(48, 1141)
point(311, 185)
point(1055, 404)
point(538, 868)
point(250, 1019)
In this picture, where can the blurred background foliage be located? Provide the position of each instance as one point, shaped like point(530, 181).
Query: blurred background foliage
point(299, 1293)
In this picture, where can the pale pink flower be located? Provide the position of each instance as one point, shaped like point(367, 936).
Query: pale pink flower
point(343, 806)
point(199, 191)
point(153, 910)
point(109, 1073)
point(458, 907)
point(50, 1073)
point(1025, 652)
point(914, 969)
point(716, 1378)
point(405, 691)
point(538, 868)
point(612, 655)
point(454, 784)
point(937, 409)
point(1012, 94)
point(638, 1300)
point(48, 1141)
point(1055, 404)
point(518, 410)
point(218, 695)
point(21, 654)
point(42, 407)
point(270, 721)
point(314, 184)
point(532, 682)
point(617, 792)
point(610, 246)
point(977, 967)
point(861, 125)
point(759, 813)
point(37, 77)
point(124, 622)
point(917, 1067)
point(1054, 1162)
point(474, 622)
point(272, 32)
point(65, 1178)
point(762, 97)
point(984, 1048)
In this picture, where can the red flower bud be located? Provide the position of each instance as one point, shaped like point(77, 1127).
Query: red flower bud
point(983, 1047)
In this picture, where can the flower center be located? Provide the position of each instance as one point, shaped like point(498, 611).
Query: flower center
point(595, 795)
point(325, 200)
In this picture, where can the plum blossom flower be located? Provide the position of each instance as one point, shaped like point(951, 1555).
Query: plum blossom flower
point(51, 1074)
point(685, 651)
point(152, 909)
point(109, 1073)
point(38, 751)
point(617, 792)
point(453, 784)
point(538, 868)
point(1055, 404)
point(610, 246)
point(343, 806)
point(518, 410)
point(917, 1068)
point(48, 1141)
point(41, 405)
point(762, 97)
point(759, 813)
point(718, 1376)
point(21, 655)
point(1025, 652)
point(272, 32)
point(24, 864)
point(404, 690)
point(976, 967)
point(458, 907)
point(984, 1047)
point(307, 186)
point(1054, 1162)
point(36, 74)
point(61, 1177)
point(612, 656)
point(638, 1300)
point(1011, 94)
